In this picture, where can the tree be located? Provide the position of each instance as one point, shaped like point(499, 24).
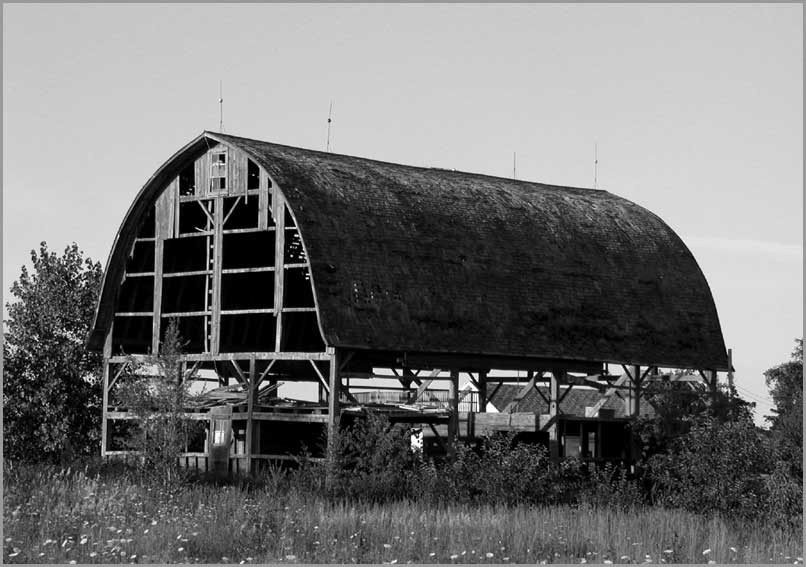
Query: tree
point(51, 383)
point(785, 382)
point(157, 391)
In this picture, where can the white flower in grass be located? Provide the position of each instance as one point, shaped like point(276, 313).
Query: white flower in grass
point(454, 557)
point(607, 562)
point(733, 549)
point(706, 551)
point(488, 555)
point(711, 562)
point(387, 546)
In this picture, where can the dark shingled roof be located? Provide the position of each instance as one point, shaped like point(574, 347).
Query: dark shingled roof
point(418, 259)
point(573, 404)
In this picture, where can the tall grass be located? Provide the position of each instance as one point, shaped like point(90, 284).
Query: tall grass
point(53, 515)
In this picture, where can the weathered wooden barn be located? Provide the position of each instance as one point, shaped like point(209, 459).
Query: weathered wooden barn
point(284, 264)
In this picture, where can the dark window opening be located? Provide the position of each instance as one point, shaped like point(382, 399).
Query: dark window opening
point(247, 333)
point(274, 439)
point(241, 212)
point(192, 216)
point(131, 335)
point(142, 258)
point(219, 183)
point(252, 175)
point(297, 288)
point(294, 252)
point(248, 250)
point(289, 220)
point(147, 227)
point(192, 332)
point(301, 333)
point(247, 291)
point(121, 434)
point(185, 255)
point(183, 294)
point(136, 294)
point(187, 180)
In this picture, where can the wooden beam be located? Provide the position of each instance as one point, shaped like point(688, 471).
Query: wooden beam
point(333, 406)
point(239, 374)
point(554, 407)
point(265, 372)
point(250, 401)
point(481, 386)
point(609, 393)
point(453, 422)
point(319, 375)
point(226, 356)
point(107, 353)
point(279, 259)
point(218, 252)
point(159, 251)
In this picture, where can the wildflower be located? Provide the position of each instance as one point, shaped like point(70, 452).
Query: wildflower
point(454, 557)
point(668, 551)
point(393, 561)
point(93, 553)
point(180, 549)
point(625, 557)
point(711, 562)
point(72, 562)
point(132, 558)
point(8, 539)
point(706, 551)
point(506, 558)
point(145, 531)
point(488, 555)
point(584, 560)
point(607, 562)
point(291, 557)
point(432, 554)
point(733, 549)
point(387, 545)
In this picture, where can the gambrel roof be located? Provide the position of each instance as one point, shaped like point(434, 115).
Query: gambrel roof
point(413, 259)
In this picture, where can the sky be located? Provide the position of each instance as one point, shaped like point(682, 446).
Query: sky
point(694, 111)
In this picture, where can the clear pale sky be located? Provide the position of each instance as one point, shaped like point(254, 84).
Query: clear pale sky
point(697, 111)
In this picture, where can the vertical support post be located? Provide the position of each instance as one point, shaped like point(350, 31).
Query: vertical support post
point(554, 412)
point(218, 246)
point(334, 400)
point(107, 354)
point(159, 250)
point(482, 385)
point(453, 420)
point(250, 401)
point(730, 370)
point(279, 262)
point(635, 392)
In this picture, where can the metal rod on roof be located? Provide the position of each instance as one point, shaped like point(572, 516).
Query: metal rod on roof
point(220, 106)
point(329, 121)
point(595, 165)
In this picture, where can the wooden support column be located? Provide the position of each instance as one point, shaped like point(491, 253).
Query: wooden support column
point(107, 355)
point(635, 392)
point(730, 370)
point(482, 388)
point(251, 393)
point(453, 423)
point(218, 247)
point(279, 262)
point(334, 401)
point(554, 412)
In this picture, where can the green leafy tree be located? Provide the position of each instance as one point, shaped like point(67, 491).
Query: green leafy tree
point(785, 382)
point(157, 391)
point(51, 383)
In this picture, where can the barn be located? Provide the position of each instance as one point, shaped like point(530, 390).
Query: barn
point(286, 265)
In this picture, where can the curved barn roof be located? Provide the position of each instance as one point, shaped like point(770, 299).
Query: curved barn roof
point(419, 259)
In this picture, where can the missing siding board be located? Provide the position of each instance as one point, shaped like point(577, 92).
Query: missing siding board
point(182, 294)
point(192, 217)
point(274, 438)
point(247, 291)
point(191, 333)
point(294, 252)
point(185, 255)
point(247, 333)
point(252, 175)
point(131, 335)
point(136, 294)
point(241, 212)
point(148, 226)
point(187, 180)
point(297, 288)
point(248, 250)
point(289, 220)
point(142, 258)
point(301, 333)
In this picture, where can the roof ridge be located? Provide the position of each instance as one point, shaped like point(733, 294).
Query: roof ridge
point(323, 154)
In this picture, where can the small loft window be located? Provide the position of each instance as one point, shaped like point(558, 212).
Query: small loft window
point(187, 180)
point(218, 170)
point(252, 175)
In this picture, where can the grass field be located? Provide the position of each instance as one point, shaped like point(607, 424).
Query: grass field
point(51, 515)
